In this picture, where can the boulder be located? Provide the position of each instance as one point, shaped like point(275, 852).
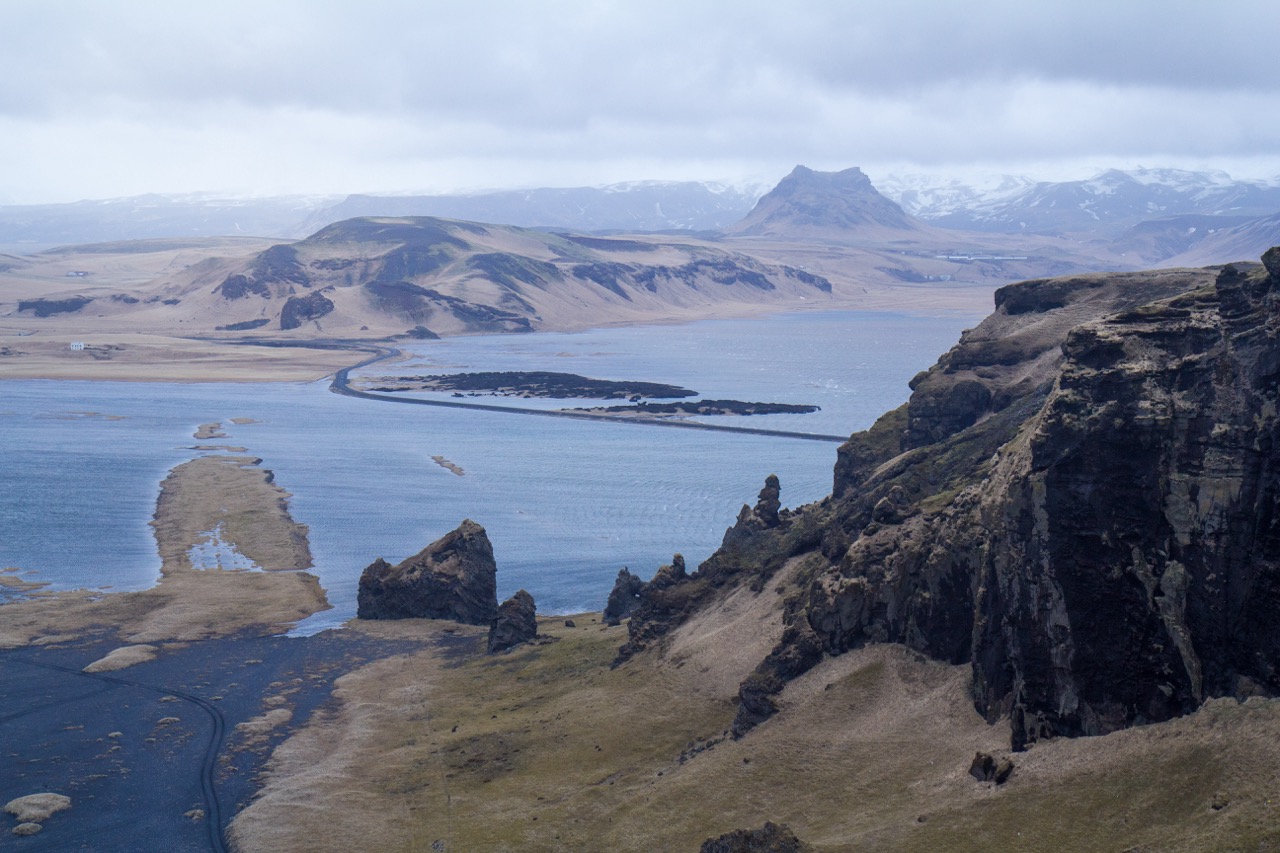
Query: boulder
point(770, 838)
point(515, 623)
point(454, 577)
point(987, 768)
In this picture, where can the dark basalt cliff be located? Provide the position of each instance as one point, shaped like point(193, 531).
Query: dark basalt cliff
point(1081, 500)
point(454, 577)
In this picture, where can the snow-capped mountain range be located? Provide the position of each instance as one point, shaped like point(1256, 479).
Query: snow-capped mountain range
point(1103, 206)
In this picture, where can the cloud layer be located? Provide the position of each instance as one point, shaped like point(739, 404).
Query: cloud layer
point(101, 99)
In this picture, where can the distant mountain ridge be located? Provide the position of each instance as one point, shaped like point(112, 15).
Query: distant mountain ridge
point(151, 217)
point(804, 205)
point(634, 206)
point(1105, 205)
point(1247, 239)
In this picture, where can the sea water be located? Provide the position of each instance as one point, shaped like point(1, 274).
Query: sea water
point(566, 503)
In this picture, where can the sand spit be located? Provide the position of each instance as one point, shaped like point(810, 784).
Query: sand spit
point(232, 495)
point(235, 495)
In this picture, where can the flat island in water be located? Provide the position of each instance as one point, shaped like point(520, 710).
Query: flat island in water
point(566, 386)
point(530, 384)
point(695, 408)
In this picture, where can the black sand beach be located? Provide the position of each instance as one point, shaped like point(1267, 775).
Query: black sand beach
point(150, 755)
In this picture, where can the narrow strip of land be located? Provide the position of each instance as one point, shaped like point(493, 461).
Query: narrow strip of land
point(341, 384)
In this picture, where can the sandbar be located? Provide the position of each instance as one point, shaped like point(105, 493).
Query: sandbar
point(230, 495)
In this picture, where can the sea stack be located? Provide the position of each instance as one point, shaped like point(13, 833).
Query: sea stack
point(454, 577)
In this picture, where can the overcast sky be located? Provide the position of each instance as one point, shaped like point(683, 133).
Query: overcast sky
point(107, 99)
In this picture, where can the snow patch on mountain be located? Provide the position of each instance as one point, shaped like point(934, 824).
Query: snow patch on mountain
point(1111, 199)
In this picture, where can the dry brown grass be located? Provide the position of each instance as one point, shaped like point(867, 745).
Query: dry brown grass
point(123, 657)
point(37, 808)
point(9, 580)
point(547, 748)
point(265, 722)
point(154, 304)
point(235, 494)
point(158, 357)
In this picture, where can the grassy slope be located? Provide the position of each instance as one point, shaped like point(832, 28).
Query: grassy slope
point(546, 748)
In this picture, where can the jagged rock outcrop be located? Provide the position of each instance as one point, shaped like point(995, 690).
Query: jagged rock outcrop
point(662, 603)
point(454, 577)
point(765, 515)
point(770, 838)
point(624, 598)
point(756, 547)
point(799, 650)
point(240, 286)
point(1081, 501)
point(276, 270)
point(516, 622)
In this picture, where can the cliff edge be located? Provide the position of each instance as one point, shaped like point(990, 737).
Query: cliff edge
point(1081, 500)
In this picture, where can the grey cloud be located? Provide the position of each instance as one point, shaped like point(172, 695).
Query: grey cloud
point(564, 60)
point(422, 87)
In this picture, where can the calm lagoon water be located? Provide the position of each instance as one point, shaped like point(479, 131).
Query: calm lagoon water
point(566, 503)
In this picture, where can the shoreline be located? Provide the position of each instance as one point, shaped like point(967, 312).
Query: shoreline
point(187, 602)
point(164, 357)
point(179, 742)
point(168, 702)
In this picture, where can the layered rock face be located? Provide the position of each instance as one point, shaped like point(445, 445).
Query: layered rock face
point(1136, 558)
point(1081, 500)
point(454, 577)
